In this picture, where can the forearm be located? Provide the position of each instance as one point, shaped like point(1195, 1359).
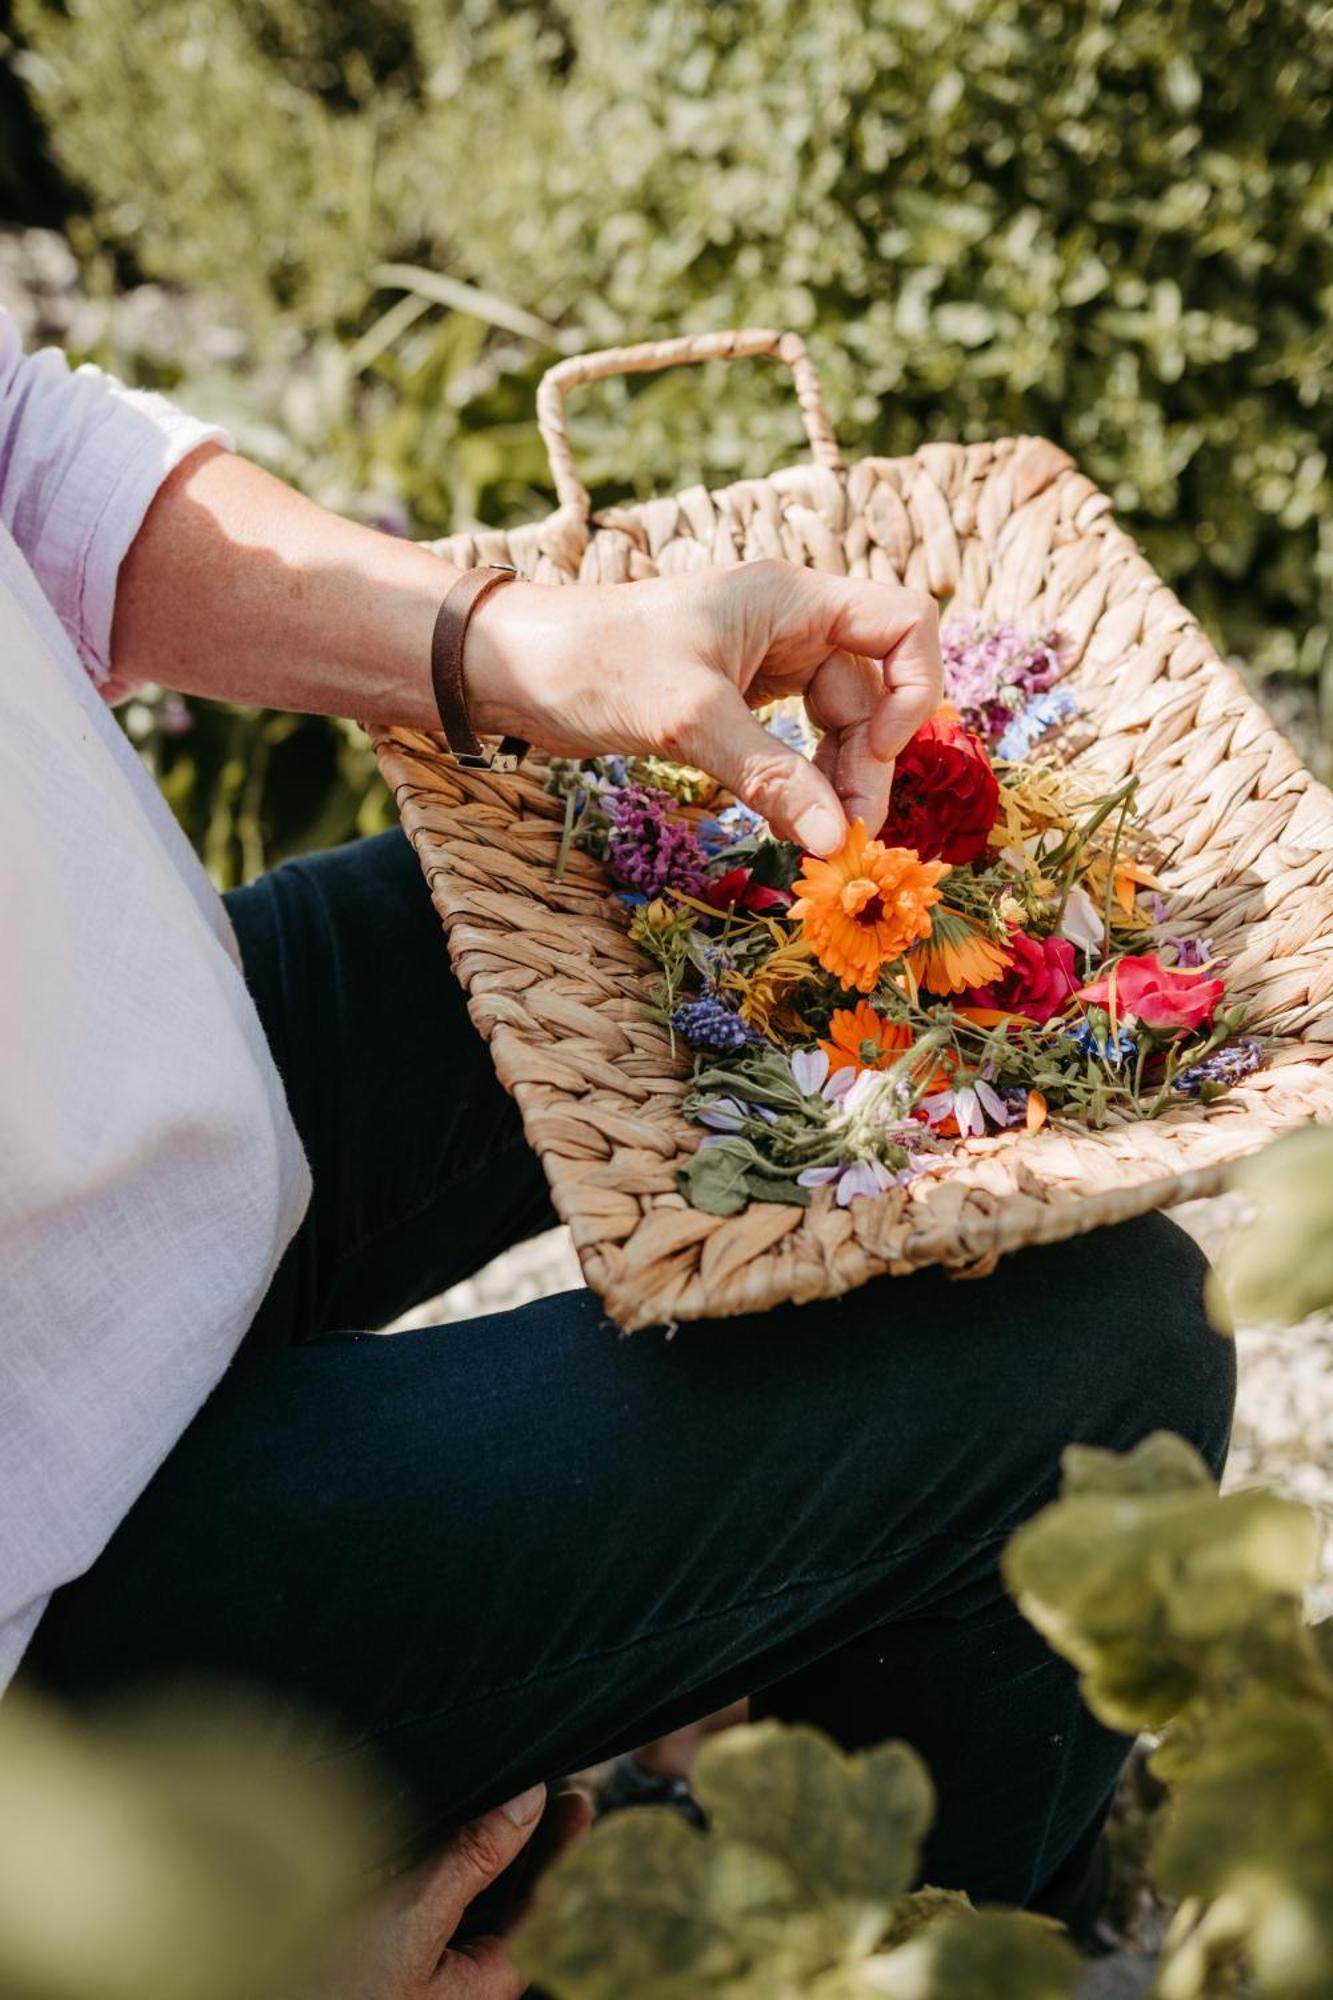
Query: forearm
point(238, 588)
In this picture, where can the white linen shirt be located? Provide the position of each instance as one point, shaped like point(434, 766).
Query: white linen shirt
point(150, 1174)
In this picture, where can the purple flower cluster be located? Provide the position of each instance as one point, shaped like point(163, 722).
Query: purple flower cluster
point(649, 849)
point(991, 672)
point(708, 1024)
point(1224, 1066)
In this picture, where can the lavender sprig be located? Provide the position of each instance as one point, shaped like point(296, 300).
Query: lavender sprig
point(648, 849)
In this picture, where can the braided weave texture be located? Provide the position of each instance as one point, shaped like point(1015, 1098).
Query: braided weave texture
point(1010, 530)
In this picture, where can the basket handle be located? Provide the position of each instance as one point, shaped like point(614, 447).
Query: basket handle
point(649, 354)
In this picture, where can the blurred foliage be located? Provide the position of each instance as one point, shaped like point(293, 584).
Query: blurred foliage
point(30, 188)
point(178, 1850)
point(800, 1886)
point(194, 1850)
point(1104, 220)
point(1279, 1264)
point(1183, 1612)
point(1184, 1609)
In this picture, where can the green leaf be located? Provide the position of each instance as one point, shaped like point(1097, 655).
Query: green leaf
point(1162, 1463)
point(798, 1881)
point(973, 1955)
point(723, 1176)
point(715, 1178)
point(1279, 1266)
point(648, 1905)
point(181, 1849)
point(844, 1827)
point(1252, 1834)
point(1159, 1591)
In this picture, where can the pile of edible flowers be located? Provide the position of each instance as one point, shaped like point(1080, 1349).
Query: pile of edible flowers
point(998, 955)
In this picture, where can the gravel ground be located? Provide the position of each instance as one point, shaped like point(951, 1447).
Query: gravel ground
point(1284, 1426)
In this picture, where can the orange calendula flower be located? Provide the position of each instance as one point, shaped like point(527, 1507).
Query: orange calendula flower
point(954, 952)
point(862, 1039)
point(865, 906)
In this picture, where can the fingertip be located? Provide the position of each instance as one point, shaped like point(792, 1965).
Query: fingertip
point(820, 830)
point(526, 1807)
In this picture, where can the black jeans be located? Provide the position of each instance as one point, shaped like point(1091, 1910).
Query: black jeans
point(497, 1551)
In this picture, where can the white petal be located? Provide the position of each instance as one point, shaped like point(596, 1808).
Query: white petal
point(857, 1179)
point(1082, 922)
point(809, 1067)
point(968, 1112)
point(723, 1114)
point(993, 1104)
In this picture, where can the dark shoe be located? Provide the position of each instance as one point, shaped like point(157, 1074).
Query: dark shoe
point(630, 1785)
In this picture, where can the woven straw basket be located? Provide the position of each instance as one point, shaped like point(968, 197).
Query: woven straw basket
point(1013, 531)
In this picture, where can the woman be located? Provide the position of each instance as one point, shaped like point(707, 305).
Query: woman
point(235, 1139)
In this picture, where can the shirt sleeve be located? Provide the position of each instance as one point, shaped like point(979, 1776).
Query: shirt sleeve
point(81, 457)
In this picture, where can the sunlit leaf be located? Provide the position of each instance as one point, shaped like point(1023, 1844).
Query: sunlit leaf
point(1157, 1589)
point(1279, 1265)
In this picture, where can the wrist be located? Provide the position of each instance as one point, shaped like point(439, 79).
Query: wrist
point(515, 640)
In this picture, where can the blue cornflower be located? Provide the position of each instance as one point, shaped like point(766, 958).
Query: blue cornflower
point(1109, 1049)
point(709, 1025)
point(1042, 714)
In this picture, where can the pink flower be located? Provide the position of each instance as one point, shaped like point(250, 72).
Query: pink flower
point(1161, 996)
point(1039, 983)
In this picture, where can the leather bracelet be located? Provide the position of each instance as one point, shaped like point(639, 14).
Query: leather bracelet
point(446, 672)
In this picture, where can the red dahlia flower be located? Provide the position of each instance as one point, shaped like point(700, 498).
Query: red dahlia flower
point(1161, 996)
point(1039, 984)
point(945, 796)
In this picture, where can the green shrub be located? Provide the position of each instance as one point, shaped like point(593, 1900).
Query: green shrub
point(1105, 220)
point(1109, 222)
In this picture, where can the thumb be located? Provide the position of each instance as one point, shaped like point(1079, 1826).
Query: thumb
point(795, 798)
point(482, 1850)
point(465, 1866)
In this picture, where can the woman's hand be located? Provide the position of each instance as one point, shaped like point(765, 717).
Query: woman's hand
point(237, 588)
point(673, 666)
point(444, 1938)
